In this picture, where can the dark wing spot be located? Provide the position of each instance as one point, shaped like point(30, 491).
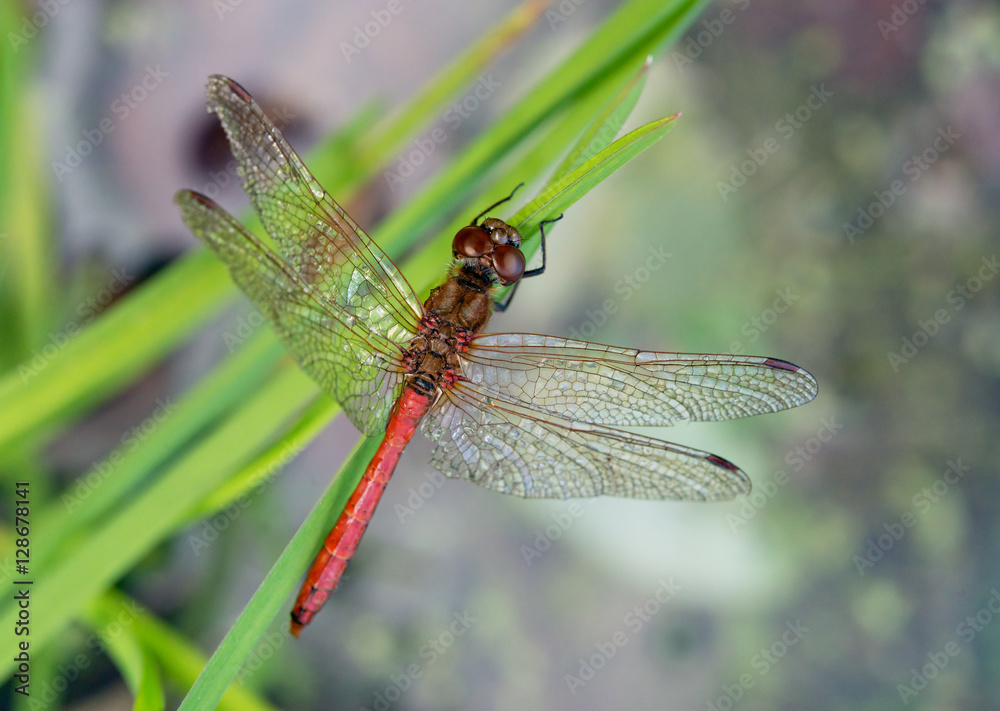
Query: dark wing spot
point(782, 365)
point(724, 463)
point(239, 90)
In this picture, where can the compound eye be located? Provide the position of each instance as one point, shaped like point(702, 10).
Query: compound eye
point(508, 263)
point(471, 241)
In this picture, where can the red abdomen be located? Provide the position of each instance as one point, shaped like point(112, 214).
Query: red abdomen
point(342, 541)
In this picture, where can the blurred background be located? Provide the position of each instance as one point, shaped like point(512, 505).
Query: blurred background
point(829, 197)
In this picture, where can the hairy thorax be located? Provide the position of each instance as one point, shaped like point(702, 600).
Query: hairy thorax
point(453, 313)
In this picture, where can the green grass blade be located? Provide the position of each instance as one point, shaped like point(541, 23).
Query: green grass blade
point(271, 597)
point(114, 349)
point(111, 618)
point(257, 473)
point(104, 486)
point(180, 660)
point(604, 129)
point(25, 248)
point(109, 551)
point(565, 191)
point(122, 343)
point(638, 29)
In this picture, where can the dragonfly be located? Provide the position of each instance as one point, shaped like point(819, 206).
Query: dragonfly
point(529, 415)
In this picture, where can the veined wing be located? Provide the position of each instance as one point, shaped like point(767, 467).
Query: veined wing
point(606, 385)
point(500, 444)
point(359, 368)
point(317, 239)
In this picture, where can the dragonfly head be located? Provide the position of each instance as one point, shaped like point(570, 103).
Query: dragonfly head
point(496, 244)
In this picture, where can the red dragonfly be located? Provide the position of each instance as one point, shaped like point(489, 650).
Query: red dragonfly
point(520, 413)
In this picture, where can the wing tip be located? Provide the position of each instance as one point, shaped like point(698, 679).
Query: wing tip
point(787, 366)
point(218, 83)
point(185, 197)
point(740, 482)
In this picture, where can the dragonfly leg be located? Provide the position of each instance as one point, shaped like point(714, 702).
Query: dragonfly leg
point(498, 203)
point(502, 305)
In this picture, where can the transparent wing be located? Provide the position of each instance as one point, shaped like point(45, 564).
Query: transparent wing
point(359, 368)
point(621, 386)
point(500, 444)
point(317, 239)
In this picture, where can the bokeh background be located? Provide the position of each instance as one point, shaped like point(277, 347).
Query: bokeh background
point(829, 196)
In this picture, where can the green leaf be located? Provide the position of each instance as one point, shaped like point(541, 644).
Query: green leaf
point(180, 660)
point(111, 549)
point(271, 597)
point(90, 499)
point(604, 129)
point(100, 358)
point(111, 618)
point(565, 191)
point(122, 343)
